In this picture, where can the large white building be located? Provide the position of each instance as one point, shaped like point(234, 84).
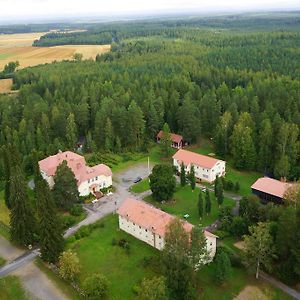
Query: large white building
point(206, 167)
point(89, 179)
point(149, 224)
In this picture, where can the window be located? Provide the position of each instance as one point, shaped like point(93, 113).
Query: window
point(96, 177)
point(159, 237)
point(211, 243)
point(140, 227)
point(146, 230)
point(88, 181)
point(133, 224)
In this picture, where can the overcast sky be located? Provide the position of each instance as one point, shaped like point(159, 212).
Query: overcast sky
point(48, 8)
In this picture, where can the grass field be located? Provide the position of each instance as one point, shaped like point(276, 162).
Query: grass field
point(4, 212)
point(5, 85)
point(2, 261)
point(10, 289)
point(124, 270)
point(186, 203)
point(141, 186)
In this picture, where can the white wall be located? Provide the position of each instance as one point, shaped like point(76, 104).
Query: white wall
point(101, 181)
point(49, 179)
point(157, 241)
point(204, 174)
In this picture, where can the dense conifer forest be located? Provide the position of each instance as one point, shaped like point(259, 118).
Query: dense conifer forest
point(238, 87)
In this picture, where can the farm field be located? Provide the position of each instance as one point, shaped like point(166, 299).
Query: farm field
point(18, 47)
point(5, 85)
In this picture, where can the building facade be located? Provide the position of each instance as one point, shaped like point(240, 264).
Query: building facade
point(149, 225)
point(206, 168)
point(89, 179)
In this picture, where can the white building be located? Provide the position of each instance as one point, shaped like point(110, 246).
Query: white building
point(206, 167)
point(89, 179)
point(149, 224)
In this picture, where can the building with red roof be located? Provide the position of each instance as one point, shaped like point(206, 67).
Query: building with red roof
point(206, 167)
point(89, 179)
point(149, 224)
point(176, 140)
point(269, 189)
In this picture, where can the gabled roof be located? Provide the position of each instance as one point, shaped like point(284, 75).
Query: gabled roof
point(188, 157)
point(149, 217)
point(271, 186)
point(176, 138)
point(76, 163)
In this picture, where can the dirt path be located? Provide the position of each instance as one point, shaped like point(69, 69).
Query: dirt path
point(250, 293)
point(8, 251)
point(38, 284)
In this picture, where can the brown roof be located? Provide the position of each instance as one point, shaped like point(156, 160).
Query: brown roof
point(271, 186)
point(188, 157)
point(149, 217)
point(176, 138)
point(76, 163)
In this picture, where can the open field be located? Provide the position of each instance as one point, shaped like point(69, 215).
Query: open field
point(5, 85)
point(18, 47)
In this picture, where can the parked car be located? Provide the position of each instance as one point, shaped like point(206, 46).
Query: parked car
point(203, 189)
point(138, 179)
point(109, 194)
point(95, 201)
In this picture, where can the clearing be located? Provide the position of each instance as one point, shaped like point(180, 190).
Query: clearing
point(5, 85)
point(18, 47)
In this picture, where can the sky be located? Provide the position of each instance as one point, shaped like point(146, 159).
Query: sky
point(14, 9)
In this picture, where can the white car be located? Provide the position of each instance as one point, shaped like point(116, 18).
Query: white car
point(109, 193)
point(95, 201)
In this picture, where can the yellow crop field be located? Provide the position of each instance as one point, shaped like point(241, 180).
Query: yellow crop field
point(5, 85)
point(18, 47)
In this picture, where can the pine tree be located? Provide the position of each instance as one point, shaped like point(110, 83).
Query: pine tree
point(207, 203)
point(22, 219)
point(200, 205)
point(71, 131)
point(192, 177)
point(6, 165)
point(109, 136)
point(166, 140)
point(65, 189)
point(50, 227)
point(220, 195)
point(223, 267)
point(216, 187)
point(182, 175)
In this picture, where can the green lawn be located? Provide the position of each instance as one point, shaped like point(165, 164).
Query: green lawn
point(4, 212)
point(238, 281)
point(6, 55)
point(141, 186)
point(186, 203)
point(124, 270)
point(2, 261)
point(10, 289)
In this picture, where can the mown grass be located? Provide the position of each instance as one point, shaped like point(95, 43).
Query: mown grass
point(123, 269)
point(186, 202)
point(4, 211)
point(2, 261)
point(65, 287)
point(11, 288)
point(141, 186)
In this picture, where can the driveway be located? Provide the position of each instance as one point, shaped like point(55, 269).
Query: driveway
point(122, 181)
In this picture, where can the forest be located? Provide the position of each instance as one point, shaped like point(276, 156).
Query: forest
point(238, 88)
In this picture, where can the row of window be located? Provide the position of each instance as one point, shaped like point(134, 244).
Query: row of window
point(146, 230)
point(93, 179)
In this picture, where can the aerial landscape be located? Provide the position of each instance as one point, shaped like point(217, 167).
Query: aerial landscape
point(149, 150)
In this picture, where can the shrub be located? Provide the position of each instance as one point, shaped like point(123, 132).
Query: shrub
point(69, 265)
point(96, 287)
point(113, 242)
point(223, 267)
point(76, 210)
point(122, 243)
point(235, 260)
point(68, 221)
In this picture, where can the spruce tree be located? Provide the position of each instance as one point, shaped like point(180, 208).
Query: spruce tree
point(216, 186)
point(71, 131)
point(200, 205)
point(223, 267)
point(166, 140)
point(220, 196)
point(6, 166)
point(192, 177)
point(182, 175)
point(207, 203)
point(65, 189)
point(22, 219)
point(50, 228)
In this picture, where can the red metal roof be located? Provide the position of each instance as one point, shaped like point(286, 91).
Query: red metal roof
point(271, 186)
point(188, 157)
point(176, 138)
point(149, 217)
point(76, 163)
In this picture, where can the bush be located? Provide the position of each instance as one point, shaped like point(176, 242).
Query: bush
point(113, 242)
point(223, 267)
point(84, 231)
point(68, 221)
point(238, 227)
point(76, 210)
point(96, 287)
point(235, 260)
